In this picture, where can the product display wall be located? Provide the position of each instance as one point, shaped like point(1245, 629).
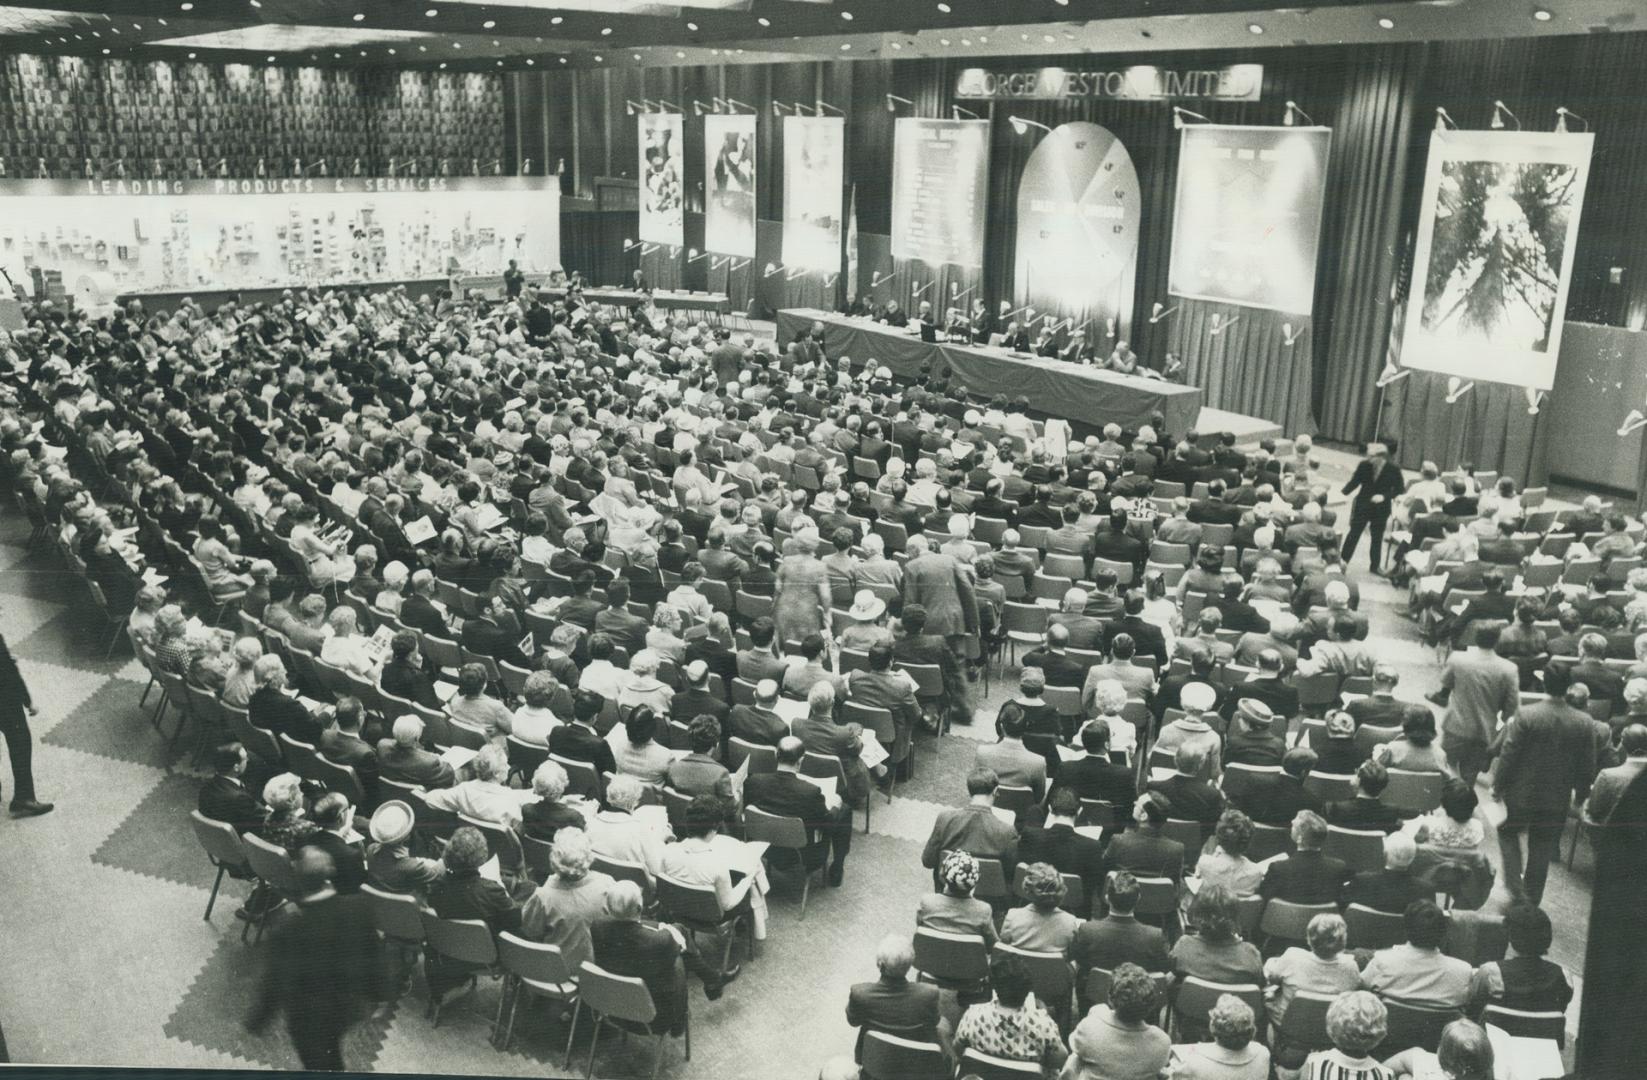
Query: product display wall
point(109, 237)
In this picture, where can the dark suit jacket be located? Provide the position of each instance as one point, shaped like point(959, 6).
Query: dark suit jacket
point(1385, 890)
point(14, 692)
point(272, 710)
point(227, 800)
point(348, 861)
point(324, 967)
point(1304, 877)
point(646, 952)
point(1119, 939)
point(1145, 635)
point(487, 638)
point(1059, 668)
point(1068, 851)
point(582, 744)
point(1191, 799)
point(1145, 855)
point(788, 795)
point(1099, 778)
point(413, 766)
point(1275, 798)
point(752, 724)
point(1388, 483)
point(1365, 814)
point(351, 750)
point(901, 1007)
point(419, 613)
point(1278, 694)
point(405, 681)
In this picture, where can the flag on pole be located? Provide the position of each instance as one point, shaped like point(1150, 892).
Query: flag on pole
point(852, 245)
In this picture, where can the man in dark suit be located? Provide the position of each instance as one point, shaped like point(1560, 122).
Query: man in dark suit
point(1147, 638)
point(1055, 663)
point(1306, 876)
point(1168, 690)
point(1267, 686)
point(324, 969)
point(1058, 843)
point(1115, 544)
point(1392, 888)
point(1548, 759)
point(1276, 798)
point(625, 628)
point(403, 676)
point(973, 828)
point(1605, 683)
point(1376, 484)
point(1119, 938)
point(785, 793)
point(487, 635)
point(341, 744)
point(1187, 795)
point(1144, 851)
point(1364, 811)
point(270, 709)
point(419, 612)
point(16, 706)
point(894, 1004)
point(1096, 776)
point(1380, 708)
point(579, 740)
point(335, 817)
point(759, 723)
point(224, 797)
point(400, 758)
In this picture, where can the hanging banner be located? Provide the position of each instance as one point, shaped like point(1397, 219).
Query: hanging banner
point(729, 180)
point(1246, 225)
point(1494, 258)
point(661, 140)
point(940, 180)
point(1077, 247)
point(814, 162)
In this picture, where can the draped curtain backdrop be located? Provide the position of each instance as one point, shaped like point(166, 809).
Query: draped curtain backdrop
point(1380, 102)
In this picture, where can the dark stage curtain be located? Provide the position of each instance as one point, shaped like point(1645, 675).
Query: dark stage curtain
point(1361, 248)
point(1489, 426)
point(1247, 367)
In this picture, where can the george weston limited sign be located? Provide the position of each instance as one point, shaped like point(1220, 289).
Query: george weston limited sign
point(1142, 82)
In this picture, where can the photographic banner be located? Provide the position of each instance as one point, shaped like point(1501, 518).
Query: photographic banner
point(814, 162)
point(1077, 246)
point(661, 144)
point(1246, 225)
point(729, 178)
point(1494, 256)
point(940, 180)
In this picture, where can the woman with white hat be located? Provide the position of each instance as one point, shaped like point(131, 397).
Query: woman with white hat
point(868, 614)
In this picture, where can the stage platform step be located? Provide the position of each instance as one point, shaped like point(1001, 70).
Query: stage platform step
point(1249, 430)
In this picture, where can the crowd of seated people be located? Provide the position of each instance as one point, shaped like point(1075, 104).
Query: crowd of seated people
point(535, 529)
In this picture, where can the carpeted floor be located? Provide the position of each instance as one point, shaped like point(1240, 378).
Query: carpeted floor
point(107, 960)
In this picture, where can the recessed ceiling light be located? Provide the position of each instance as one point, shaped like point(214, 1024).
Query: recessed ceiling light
point(846, 45)
point(185, 6)
point(1542, 15)
point(191, 56)
point(530, 61)
point(432, 12)
point(360, 16)
point(944, 42)
point(496, 43)
point(679, 55)
point(637, 56)
point(606, 31)
point(898, 45)
point(363, 52)
point(1048, 38)
point(599, 59)
point(457, 44)
point(443, 65)
point(1254, 28)
point(1386, 23)
point(982, 39)
point(557, 20)
point(764, 21)
point(271, 59)
point(106, 52)
point(488, 24)
point(423, 48)
point(563, 59)
point(966, 41)
point(1061, 3)
point(692, 26)
point(256, 3)
point(847, 15)
point(391, 52)
point(500, 63)
point(944, 8)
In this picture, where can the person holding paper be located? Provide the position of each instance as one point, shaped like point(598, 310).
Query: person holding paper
point(789, 794)
point(820, 734)
point(403, 759)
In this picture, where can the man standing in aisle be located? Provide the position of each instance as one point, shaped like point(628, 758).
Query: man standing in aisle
point(514, 279)
point(1377, 483)
point(1482, 691)
point(16, 706)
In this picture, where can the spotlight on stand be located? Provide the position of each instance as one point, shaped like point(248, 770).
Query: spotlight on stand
point(1289, 336)
point(1457, 388)
point(1500, 111)
point(955, 112)
point(893, 101)
point(1293, 111)
point(1563, 114)
point(1632, 423)
point(693, 255)
point(1157, 312)
point(1444, 120)
point(1535, 399)
point(1219, 325)
point(1021, 125)
point(772, 269)
point(1391, 374)
point(1180, 114)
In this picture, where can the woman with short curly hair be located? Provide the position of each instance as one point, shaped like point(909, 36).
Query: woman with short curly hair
point(562, 909)
point(1116, 1041)
point(534, 720)
point(1356, 1023)
point(1215, 952)
point(1228, 865)
point(1041, 925)
point(1233, 1054)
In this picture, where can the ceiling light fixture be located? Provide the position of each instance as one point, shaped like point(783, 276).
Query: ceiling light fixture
point(1254, 28)
point(944, 8)
point(557, 20)
point(599, 59)
point(1542, 15)
point(192, 56)
point(431, 13)
point(692, 26)
point(898, 46)
point(679, 55)
point(606, 31)
point(360, 16)
point(185, 6)
point(846, 46)
point(847, 15)
point(489, 24)
point(944, 42)
point(1386, 23)
point(530, 61)
point(764, 21)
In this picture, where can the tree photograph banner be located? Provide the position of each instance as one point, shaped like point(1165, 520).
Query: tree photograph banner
point(1494, 257)
point(662, 216)
point(729, 181)
point(814, 161)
